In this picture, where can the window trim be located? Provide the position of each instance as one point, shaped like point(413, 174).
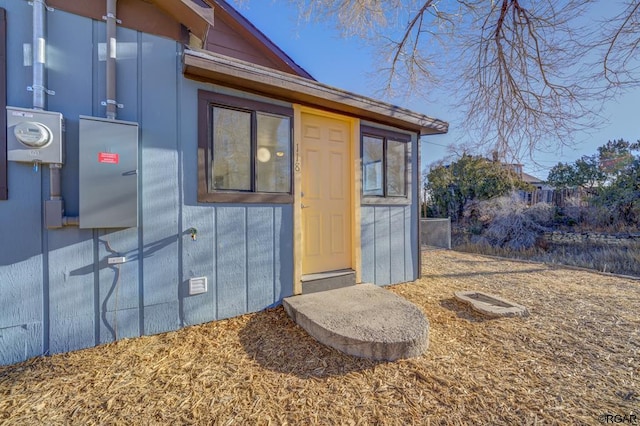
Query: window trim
point(208, 99)
point(398, 137)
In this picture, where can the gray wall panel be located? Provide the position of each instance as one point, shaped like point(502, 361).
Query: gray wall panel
point(389, 235)
point(20, 342)
point(188, 126)
point(20, 290)
point(71, 290)
point(231, 262)
point(160, 201)
point(18, 32)
point(383, 254)
point(260, 252)
point(198, 260)
point(71, 333)
point(387, 254)
point(118, 283)
point(129, 48)
point(99, 89)
point(397, 238)
point(70, 255)
point(21, 262)
point(410, 260)
point(414, 233)
point(122, 323)
point(283, 247)
point(367, 238)
point(198, 257)
point(161, 318)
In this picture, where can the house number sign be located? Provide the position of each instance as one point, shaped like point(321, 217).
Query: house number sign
point(296, 166)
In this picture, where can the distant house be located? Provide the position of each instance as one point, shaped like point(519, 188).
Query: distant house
point(185, 170)
point(542, 192)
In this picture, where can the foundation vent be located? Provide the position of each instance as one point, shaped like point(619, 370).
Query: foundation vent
point(197, 285)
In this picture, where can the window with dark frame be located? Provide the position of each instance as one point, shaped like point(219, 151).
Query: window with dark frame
point(244, 153)
point(384, 164)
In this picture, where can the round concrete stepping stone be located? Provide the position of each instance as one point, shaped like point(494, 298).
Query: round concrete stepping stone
point(363, 320)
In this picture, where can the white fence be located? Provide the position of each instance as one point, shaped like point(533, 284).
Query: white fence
point(435, 232)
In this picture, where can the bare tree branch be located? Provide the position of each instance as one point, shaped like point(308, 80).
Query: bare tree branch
point(621, 64)
point(518, 70)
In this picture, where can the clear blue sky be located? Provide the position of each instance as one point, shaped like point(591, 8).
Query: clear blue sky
point(347, 63)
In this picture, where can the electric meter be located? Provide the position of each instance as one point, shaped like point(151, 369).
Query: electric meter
point(32, 134)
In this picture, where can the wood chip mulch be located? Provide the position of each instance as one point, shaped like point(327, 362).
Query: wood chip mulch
point(574, 360)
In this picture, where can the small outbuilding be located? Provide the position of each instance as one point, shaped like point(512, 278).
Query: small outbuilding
point(165, 164)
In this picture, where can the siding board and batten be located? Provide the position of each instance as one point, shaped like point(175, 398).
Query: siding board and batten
point(389, 241)
point(58, 292)
point(22, 278)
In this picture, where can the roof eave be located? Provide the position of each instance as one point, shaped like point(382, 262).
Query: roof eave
point(250, 31)
point(232, 72)
point(196, 19)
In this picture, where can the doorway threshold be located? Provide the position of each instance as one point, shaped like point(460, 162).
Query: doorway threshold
point(329, 280)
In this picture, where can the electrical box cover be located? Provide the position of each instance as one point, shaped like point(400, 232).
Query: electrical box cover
point(34, 135)
point(108, 173)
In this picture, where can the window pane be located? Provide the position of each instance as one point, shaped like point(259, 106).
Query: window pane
point(372, 166)
point(231, 167)
point(396, 168)
point(273, 168)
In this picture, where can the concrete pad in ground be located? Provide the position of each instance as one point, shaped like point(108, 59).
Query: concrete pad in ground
point(491, 305)
point(362, 320)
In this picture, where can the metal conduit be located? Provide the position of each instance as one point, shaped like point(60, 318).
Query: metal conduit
point(39, 51)
point(111, 60)
point(39, 54)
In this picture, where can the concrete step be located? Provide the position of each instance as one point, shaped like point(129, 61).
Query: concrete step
point(313, 283)
point(363, 320)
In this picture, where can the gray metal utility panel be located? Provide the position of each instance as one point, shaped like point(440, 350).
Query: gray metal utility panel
point(108, 173)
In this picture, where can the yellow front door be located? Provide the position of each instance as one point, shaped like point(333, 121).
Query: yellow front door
point(325, 194)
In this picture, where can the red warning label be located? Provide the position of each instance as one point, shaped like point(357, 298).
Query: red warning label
point(108, 158)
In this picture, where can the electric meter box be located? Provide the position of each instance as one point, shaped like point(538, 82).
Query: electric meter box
point(108, 173)
point(34, 135)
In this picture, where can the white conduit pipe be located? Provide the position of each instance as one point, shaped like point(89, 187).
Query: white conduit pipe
point(39, 49)
point(111, 59)
point(39, 54)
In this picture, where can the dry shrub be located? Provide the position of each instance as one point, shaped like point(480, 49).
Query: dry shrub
point(589, 218)
point(509, 223)
point(572, 212)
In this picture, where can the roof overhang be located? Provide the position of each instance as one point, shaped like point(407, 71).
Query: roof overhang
point(196, 18)
point(211, 67)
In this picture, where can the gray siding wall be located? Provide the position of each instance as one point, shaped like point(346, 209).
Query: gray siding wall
point(389, 234)
point(57, 292)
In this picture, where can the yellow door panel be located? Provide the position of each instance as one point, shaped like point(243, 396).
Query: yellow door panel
point(313, 166)
point(325, 194)
point(337, 232)
point(337, 188)
point(312, 228)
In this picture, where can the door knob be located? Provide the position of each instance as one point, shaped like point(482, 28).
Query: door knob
point(302, 206)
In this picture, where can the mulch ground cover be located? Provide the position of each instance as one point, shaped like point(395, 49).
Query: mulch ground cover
point(574, 360)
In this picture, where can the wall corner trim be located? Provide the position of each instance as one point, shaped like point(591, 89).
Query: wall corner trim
point(4, 187)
